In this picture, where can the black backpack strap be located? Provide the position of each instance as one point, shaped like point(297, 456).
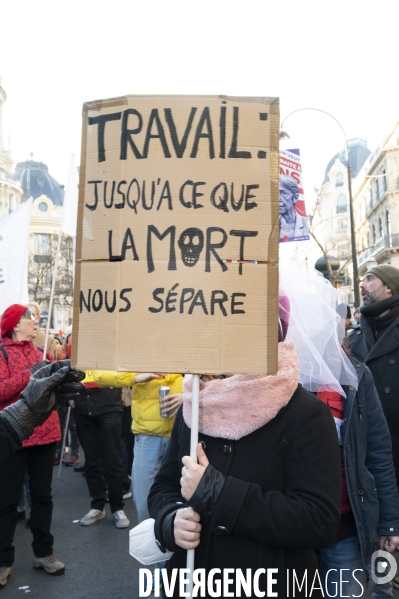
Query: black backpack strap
point(49, 355)
point(5, 354)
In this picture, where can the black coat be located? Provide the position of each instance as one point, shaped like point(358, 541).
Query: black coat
point(99, 400)
point(382, 357)
point(281, 498)
point(369, 471)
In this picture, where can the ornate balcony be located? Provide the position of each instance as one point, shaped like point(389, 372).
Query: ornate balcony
point(384, 243)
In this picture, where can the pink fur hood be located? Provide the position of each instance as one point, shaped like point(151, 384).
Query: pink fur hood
point(234, 407)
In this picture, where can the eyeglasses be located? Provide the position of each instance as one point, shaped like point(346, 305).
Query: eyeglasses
point(28, 314)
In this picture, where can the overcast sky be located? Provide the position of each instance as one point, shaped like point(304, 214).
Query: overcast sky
point(339, 56)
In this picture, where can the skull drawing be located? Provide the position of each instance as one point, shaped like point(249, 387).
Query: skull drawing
point(191, 243)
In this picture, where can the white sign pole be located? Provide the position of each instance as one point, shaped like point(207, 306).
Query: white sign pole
point(64, 440)
point(193, 455)
point(53, 281)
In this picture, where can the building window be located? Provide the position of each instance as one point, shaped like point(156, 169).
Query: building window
point(343, 252)
point(339, 180)
point(388, 222)
point(42, 244)
point(43, 207)
point(374, 239)
point(342, 204)
point(380, 187)
point(11, 204)
point(375, 191)
point(383, 182)
point(342, 223)
point(42, 247)
point(380, 229)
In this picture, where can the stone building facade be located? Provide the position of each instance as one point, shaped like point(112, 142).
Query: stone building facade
point(330, 218)
point(375, 191)
point(376, 206)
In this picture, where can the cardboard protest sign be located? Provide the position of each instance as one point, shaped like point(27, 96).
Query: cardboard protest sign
point(293, 219)
point(177, 243)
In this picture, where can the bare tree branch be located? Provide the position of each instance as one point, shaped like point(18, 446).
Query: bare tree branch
point(40, 273)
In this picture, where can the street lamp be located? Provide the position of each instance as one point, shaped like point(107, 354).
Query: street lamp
point(284, 135)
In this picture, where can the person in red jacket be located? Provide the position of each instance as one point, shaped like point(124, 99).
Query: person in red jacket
point(48, 388)
point(19, 358)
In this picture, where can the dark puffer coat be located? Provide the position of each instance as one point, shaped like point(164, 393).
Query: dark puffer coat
point(382, 357)
point(281, 498)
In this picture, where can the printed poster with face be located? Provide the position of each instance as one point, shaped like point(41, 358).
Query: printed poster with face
point(293, 219)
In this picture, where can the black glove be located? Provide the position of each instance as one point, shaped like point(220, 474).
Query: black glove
point(71, 387)
point(39, 365)
point(41, 397)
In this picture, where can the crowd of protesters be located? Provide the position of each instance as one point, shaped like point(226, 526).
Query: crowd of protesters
point(294, 471)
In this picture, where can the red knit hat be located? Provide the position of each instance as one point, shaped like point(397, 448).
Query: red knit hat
point(10, 318)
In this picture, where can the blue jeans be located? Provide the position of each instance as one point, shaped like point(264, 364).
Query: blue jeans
point(337, 565)
point(345, 557)
point(148, 453)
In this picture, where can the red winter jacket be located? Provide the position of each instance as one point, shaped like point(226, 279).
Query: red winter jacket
point(14, 377)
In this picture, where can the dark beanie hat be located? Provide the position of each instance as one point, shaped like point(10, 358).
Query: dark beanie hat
point(388, 274)
point(11, 316)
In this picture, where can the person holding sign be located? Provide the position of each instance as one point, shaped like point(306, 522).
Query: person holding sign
point(153, 419)
point(265, 491)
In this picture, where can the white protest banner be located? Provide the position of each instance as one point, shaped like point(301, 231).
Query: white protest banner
point(14, 238)
point(70, 206)
point(177, 243)
point(293, 219)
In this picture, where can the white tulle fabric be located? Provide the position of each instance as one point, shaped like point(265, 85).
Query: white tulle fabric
point(317, 328)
